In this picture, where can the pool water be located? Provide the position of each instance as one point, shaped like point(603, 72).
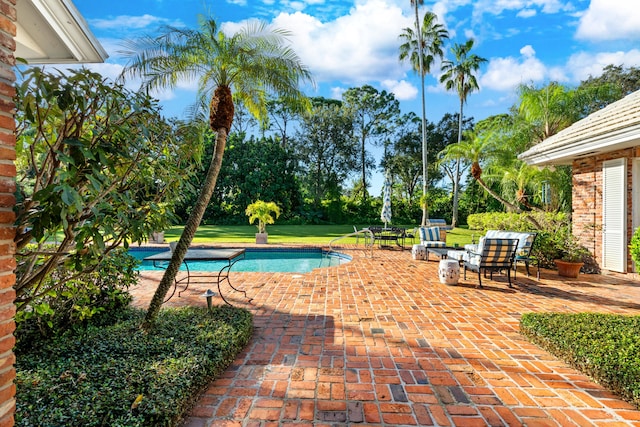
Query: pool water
point(271, 260)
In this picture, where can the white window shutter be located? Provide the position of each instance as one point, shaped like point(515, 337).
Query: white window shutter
point(614, 215)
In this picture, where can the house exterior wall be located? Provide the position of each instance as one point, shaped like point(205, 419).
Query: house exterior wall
point(587, 200)
point(7, 217)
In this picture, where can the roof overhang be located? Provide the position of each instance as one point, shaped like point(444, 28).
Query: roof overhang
point(587, 147)
point(615, 127)
point(54, 32)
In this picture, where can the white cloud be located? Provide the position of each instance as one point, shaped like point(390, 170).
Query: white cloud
point(357, 48)
point(526, 6)
point(527, 13)
point(582, 65)
point(528, 51)
point(111, 71)
point(610, 20)
point(336, 92)
point(402, 89)
point(129, 22)
point(505, 74)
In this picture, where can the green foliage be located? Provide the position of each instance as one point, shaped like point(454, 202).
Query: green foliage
point(326, 150)
point(252, 169)
point(97, 167)
point(615, 82)
point(374, 116)
point(634, 248)
point(120, 375)
point(603, 346)
point(511, 221)
point(570, 249)
point(547, 246)
point(56, 306)
point(261, 211)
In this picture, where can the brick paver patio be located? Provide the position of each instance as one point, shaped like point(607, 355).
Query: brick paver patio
point(380, 342)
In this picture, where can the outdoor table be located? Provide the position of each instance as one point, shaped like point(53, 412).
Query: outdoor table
point(442, 252)
point(389, 234)
point(230, 256)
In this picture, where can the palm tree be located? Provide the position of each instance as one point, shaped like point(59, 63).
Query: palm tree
point(459, 75)
point(421, 46)
point(245, 66)
point(549, 109)
point(477, 147)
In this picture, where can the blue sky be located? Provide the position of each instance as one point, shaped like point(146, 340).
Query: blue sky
point(348, 43)
point(351, 43)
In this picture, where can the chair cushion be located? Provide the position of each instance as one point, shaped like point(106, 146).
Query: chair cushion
point(498, 252)
point(433, 244)
point(474, 252)
point(525, 239)
point(429, 234)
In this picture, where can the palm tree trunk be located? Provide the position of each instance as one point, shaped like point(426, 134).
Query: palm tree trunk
point(425, 180)
point(496, 196)
point(363, 158)
point(190, 228)
point(456, 177)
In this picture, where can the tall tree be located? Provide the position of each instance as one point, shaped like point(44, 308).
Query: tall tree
point(623, 80)
point(421, 46)
point(374, 114)
point(405, 157)
point(327, 149)
point(459, 75)
point(245, 66)
point(446, 133)
point(280, 116)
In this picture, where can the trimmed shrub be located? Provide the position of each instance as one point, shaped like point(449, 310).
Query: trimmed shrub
point(103, 291)
point(603, 346)
point(120, 375)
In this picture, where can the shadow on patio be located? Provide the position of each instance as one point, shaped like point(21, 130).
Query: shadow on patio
point(381, 342)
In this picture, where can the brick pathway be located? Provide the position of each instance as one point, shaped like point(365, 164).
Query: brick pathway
point(380, 342)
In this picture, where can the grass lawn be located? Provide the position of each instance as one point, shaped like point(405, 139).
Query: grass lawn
point(305, 234)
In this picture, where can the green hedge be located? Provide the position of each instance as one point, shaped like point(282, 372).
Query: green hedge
point(513, 221)
point(120, 375)
point(603, 346)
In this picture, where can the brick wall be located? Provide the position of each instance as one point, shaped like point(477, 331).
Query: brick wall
point(7, 201)
point(587, 200)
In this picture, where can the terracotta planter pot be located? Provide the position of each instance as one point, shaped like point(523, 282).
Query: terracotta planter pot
point(261, 238)
point(568, 269)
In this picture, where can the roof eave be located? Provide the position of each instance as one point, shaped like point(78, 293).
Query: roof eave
point(54, 32)
point(567, 153)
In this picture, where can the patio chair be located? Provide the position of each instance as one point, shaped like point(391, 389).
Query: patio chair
point(364, 236)
point(492, 255)
point(411, 234)
point(430, 237)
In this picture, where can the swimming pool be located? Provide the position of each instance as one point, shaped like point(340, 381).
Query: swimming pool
point(271, 260)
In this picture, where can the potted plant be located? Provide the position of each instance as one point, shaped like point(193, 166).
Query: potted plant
point(572, 256)
point(262, 211)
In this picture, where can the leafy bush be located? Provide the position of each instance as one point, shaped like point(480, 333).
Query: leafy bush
point(513, 221)
point(120, 375)
point(57, 305)
point(97, 167)
point(604, 346)
point(634, 248)
point(548, 243)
